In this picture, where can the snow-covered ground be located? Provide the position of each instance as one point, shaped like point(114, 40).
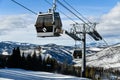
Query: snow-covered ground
point(19, 74)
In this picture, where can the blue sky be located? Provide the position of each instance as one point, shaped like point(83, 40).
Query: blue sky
point(17, 24)
point(103, 6)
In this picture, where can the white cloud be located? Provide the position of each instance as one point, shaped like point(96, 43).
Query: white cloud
point(20, 28)
point(10, 23)
point(109, 26)
point(110, 23)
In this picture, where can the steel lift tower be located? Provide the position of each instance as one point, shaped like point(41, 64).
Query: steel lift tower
point(78, 32)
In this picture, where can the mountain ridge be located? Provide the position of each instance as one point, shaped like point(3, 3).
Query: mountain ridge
point(60, 53)
point(99, 57)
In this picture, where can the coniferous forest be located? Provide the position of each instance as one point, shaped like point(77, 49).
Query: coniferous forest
point(36, 63)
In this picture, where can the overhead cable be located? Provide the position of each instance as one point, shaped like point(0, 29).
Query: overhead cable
point(77, 11)
point(73, 13)
point(24, 7)
point(62, 12)
point(81, 20)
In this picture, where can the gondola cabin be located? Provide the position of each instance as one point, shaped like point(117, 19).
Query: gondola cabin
point(77, 54)
point(46, 26)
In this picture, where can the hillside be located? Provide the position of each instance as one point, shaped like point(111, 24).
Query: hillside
point(101, 55)
point(107, 58)
point(60, 53)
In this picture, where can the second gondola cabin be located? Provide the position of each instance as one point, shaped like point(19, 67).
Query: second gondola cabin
point(46, 26)
point(77, 54)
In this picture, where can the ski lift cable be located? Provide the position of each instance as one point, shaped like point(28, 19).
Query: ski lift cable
point(62, 12)
point(77, 11)
point(79, 18)
point(73, 13)
point(24, 7)
point(84, 18)
point(67, 16)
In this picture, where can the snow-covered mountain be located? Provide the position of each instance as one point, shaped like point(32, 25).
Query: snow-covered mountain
point(8, 46)
point(96, 44)
point(60, 53)
point(101, 56)
point(107, 58)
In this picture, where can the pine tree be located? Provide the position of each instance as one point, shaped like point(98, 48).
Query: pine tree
point(23, 61)
point(54, 64)
point(48, 64)
point(29, 62)
point(43, 67)
point(10, 60)
point(39, 60)
point(34, 61)
point(18, 58)
point(14, 60)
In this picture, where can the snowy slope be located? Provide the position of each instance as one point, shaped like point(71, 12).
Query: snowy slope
point(107, 58)
point(19, 74)
point(60, 53)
